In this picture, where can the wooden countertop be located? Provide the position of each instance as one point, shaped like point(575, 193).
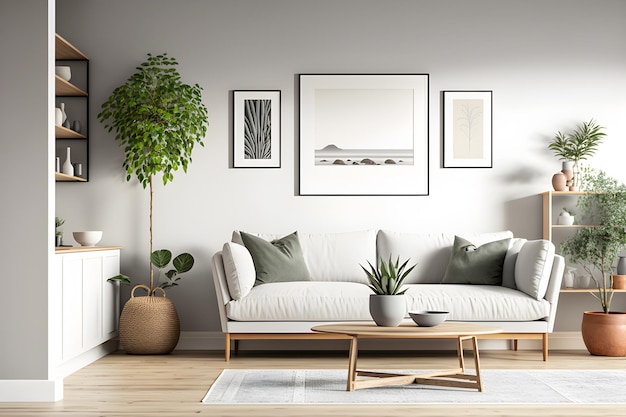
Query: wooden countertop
point(74, 249)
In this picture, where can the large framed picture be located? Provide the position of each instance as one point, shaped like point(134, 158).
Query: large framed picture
point(256, 129)
point(363, 134)
point(467, 129)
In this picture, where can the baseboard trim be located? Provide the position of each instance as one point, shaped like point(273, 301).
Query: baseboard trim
point(216, 341)
point(12, 390)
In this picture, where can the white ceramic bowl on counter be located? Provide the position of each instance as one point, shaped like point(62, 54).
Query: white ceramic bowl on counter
point(88, 238)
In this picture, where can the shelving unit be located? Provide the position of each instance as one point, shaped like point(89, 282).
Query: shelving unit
point(76, 97)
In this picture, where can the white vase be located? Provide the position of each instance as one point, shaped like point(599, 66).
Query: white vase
point(63, 112)
point(387, 310)
point(68, 168)
point(58, 117)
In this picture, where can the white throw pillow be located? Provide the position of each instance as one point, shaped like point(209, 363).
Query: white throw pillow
point(533, 267)
point(239, 268)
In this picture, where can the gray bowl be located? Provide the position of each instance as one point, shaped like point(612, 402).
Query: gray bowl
point(428, 318)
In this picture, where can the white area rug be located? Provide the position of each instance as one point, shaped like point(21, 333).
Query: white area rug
point(328, 386)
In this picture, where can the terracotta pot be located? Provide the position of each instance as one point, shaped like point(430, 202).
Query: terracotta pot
point(604, 334)
point(619, 282)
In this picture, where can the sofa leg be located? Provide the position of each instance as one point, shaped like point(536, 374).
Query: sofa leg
point(227, 348)
point(545, 347)
point(237, 346)
point(515, 341)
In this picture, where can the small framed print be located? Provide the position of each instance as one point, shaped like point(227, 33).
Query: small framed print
point(256, 129)
point(467, 129)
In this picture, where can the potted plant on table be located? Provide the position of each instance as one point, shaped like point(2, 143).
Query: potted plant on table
point(387, 304)
point(157, 119)
point(596, 248)
point(577, 146)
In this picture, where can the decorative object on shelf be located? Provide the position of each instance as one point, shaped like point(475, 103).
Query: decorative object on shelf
point(68, 168)
point(583, 281)
point(428, 318)
point(595, 248)
point(66, 124)
point(387, 304)
point(58, 232)
point(63, 71)
point(621, 265)
point(619, 282)
point(566, 217)
point(78, 170)
point(559, 181)
point(568, 171)
point(88, 238)
point(76, 126)
point(171, 114)
point(57, 164)
point(343, 153)
point(256, 129)
point(577, 146)
point(569, 277)
point(58, 116)
point(467, 129)
point(64, 115)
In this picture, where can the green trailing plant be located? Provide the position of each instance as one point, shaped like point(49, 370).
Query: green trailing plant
point(387, 279)
point(160, 259)
point(578, 145)
point(157, 120)
point(58, 222)
point(597, 247)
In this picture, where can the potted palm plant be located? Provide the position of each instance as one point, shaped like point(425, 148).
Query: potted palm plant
point(596, 248)
point(577, 146)
point(157, 119)
point(387, 304)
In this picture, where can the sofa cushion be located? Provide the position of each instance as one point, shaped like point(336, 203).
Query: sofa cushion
point(239, 269)
point(471, 264)
point(508, 269)
point(533, 267)
point(430, 251)
point(277, 261)
point(333, 256)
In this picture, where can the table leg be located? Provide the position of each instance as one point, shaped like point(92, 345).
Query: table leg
point(354, 352)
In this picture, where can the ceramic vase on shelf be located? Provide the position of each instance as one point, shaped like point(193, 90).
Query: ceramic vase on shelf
point(68, 168)
point(58, 116)
point(64, 118)
point(559, 182)
point(621, 265)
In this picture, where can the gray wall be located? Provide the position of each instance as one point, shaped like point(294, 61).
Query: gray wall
point(551, 64)
point(26, 186)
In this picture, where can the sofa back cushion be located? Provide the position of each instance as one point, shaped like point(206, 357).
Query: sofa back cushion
point(431, 251)
point(333, 256)
point(533, 267)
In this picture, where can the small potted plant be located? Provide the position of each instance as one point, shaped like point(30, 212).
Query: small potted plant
point(566, 217)
point(58, 233)
point(595, 248)
point(387, 304)
point(577, 146)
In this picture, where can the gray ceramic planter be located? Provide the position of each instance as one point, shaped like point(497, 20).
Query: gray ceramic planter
point(387, 310)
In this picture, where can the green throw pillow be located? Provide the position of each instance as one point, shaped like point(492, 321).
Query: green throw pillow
point(476, 265)
point(280, 260)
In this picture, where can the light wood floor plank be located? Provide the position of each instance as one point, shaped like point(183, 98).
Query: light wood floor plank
point(173, 385)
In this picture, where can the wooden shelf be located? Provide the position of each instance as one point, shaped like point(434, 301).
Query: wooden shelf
point(65, 50)
point(64, 88)
point(61, 132)
point(67, 178)
point(585, 290)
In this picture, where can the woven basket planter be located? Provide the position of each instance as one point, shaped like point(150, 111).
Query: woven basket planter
point(149, 325)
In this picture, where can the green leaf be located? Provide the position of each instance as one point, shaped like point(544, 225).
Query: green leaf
point(183, 262)
point(120, 278)
point(160, 258)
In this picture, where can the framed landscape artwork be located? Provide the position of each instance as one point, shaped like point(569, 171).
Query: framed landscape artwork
point(467, 129)
point(256, 129)
point(363, 134)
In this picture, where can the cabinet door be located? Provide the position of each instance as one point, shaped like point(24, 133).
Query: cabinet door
point(72, 306)
point(92, 301)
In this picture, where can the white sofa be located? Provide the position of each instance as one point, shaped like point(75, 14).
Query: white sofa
point(524, 306)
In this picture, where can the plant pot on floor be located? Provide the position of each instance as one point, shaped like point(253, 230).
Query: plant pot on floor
point(149, 325)
point(387, 310)
point(604, 334)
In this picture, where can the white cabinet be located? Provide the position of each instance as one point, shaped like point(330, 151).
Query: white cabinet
point(88, 310)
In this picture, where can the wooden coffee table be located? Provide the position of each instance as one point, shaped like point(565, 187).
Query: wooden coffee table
point(457, 377)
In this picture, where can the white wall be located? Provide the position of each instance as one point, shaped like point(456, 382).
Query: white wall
point(26, 186)
point(550, 64)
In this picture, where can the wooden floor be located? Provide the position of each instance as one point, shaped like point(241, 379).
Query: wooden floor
point(173, 385)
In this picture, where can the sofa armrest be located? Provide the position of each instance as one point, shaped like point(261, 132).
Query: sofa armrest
point(221, 287)
point(554, 288)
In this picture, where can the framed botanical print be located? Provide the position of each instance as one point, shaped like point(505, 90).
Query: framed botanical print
point(467, 129)
point(256, 129)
